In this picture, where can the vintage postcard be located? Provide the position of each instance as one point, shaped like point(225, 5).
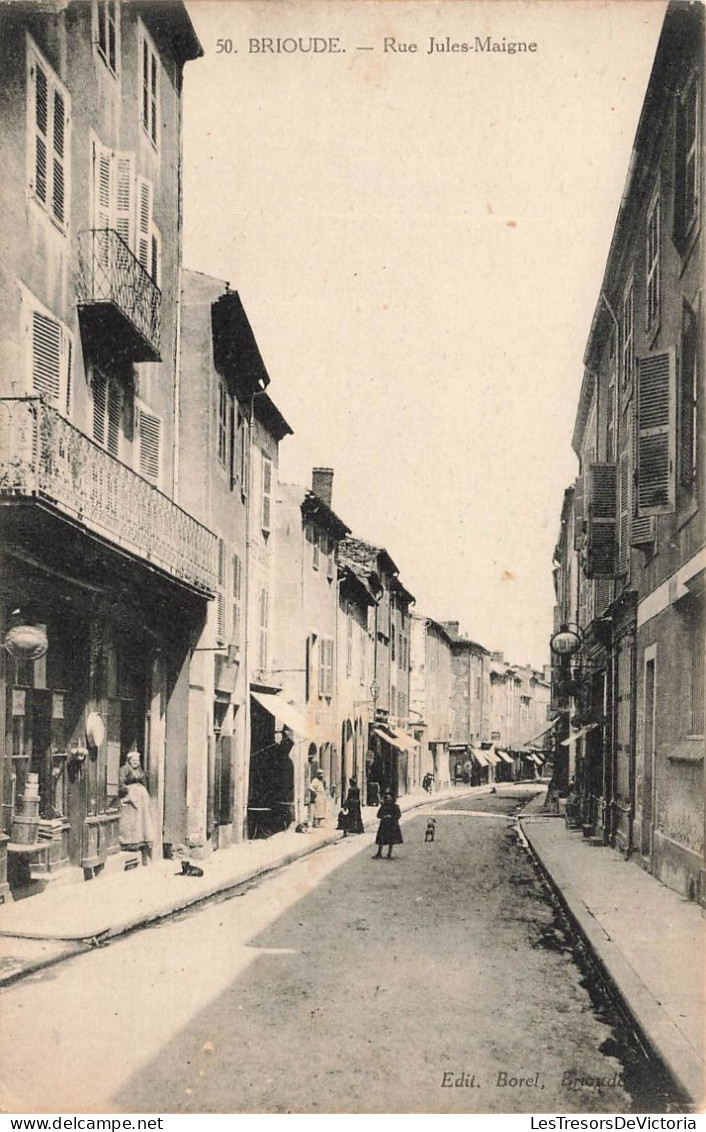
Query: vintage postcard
point(352, 560)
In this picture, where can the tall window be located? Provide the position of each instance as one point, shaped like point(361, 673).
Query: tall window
point(688, 392)
point(149, 85)
point(106, 32)
point(263, 652)
point(652, 260)
point(220, 597)
point(107, 412)
point(628, 333)
point(266, 494)
point(688, 155)
point(349, 642)
point(223, 422)
point(237, 594)
point(314, 547)
point(149, 240)
point(48, 137)
point(325, 668)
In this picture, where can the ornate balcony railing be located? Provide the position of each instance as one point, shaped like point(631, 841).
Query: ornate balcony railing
point(114, 286)
point(44, 457)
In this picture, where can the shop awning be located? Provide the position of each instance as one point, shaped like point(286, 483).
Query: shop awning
point(549, 727)
point(480, 756)
point(284, 712)
point(503, 755)
point(404, 737)
point(388, 737)
point(578, 735)
point(492, 757)
point(535, 759)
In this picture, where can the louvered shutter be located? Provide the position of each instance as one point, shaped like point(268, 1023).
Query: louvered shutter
point(266, 493)
point(149, 432)
point(144, 222)
point(623, 514)
point(578, 513)
point(58, 157)
point(600, 518)
point(124, 206)
point(155, 256)
point(102, 186)
point(115, 412)
point(47, 356)
point(41, 131)
point(656, 433)
point(237, 590)
point(220, 598)
point(264, 626)
point(100, 405)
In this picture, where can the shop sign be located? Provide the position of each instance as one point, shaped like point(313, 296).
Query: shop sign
point(565, 643)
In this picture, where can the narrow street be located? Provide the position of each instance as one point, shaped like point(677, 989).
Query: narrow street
point(440, 981)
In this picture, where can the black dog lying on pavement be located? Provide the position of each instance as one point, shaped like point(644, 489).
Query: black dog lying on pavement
point(430, 831)
point(189, 870)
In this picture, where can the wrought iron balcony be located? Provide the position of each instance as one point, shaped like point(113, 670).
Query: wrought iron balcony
point(45, 458)
point(119, 303)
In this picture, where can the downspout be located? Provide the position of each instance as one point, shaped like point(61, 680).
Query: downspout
point(613, 647)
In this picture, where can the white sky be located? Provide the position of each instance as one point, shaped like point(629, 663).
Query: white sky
point(419, 243)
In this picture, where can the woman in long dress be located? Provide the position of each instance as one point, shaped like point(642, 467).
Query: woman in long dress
point(354, 820)
point(136, 827)
point(389, 832)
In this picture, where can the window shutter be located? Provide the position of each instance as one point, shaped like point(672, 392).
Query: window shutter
point(144, 222)
point(41, 98)
point(115, 411)
point(124, 206)
point(688, 397)
point(100, 405)
point(600, 521)
point(266, 493)
point(102, 174)
point(642, 530)
point(155, 256)
point(149, 434)
point(58, 180)
point(220, 597)
point(624, 514)
point(47, 354)
point(578, 513)
point(237, 591)
point(264, 626)
point(655, 434)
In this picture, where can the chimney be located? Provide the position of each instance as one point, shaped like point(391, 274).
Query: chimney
point(322, 484)
point(452, 628)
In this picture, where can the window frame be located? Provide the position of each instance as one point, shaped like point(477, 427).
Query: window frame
point(112, 386)
point(148, 86)
point(627, 335)
point(100, 20)
point(685, 225)
point(653, 263)
point(222, 422)
point(35, 59)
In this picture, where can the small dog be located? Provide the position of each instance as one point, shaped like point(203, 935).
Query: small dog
point(189, 870)
point(430, 831)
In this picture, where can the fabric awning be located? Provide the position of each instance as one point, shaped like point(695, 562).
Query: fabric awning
point(549, 727)
point(503, 755)
point(537, 761)
point(492, 757)
point(578, 735)
point(404, 737)
point(388, 737)
point(284, 712)
point(480, 757)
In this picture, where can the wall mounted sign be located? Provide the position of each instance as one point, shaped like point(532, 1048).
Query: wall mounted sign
point(565, 643)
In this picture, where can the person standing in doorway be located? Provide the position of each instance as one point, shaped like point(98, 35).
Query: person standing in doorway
point(136, 824)
point(318, 798)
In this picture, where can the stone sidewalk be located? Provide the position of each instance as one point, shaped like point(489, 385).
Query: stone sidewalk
point(647, 940)
point(68, 919)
